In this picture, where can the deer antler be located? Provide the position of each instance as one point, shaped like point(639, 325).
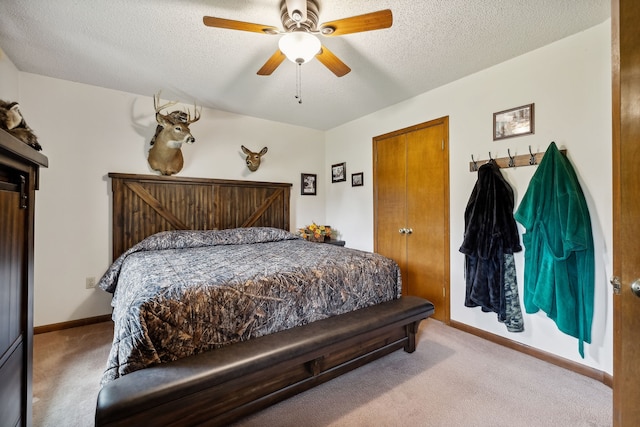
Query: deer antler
point(156, 101)
point(189, 120)
point(196, 114)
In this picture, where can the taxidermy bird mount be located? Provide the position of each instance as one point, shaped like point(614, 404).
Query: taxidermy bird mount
point(12, 121)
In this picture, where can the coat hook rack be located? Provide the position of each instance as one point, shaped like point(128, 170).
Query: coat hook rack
point(511, 161)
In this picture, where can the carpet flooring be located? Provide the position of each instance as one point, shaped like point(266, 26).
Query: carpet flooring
point(453, 379)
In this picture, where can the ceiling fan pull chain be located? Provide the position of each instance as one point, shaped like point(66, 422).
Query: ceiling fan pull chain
point(299, 83)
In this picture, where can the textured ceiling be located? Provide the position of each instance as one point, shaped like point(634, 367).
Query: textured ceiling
point(144, 46)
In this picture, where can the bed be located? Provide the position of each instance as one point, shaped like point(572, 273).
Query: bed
point(289, 315)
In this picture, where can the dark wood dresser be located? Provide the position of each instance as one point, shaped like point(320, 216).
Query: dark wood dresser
point(19, 166)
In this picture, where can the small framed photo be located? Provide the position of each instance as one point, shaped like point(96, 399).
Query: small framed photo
point(308, 184)
point(514, 122)
point(339, 172)
point(357, 179)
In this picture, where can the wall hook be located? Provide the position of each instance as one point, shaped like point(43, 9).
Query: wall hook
point(532, 159)
point(475, 163)
point(512, 159)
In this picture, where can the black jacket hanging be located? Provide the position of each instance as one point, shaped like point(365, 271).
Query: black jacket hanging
point(490, 239)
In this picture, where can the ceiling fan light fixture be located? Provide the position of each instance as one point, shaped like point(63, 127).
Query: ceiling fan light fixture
point(299, 47)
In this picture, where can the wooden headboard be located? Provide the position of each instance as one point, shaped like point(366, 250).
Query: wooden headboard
point(147, 204)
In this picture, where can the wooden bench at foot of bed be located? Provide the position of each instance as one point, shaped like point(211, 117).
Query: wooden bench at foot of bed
point(223, 385)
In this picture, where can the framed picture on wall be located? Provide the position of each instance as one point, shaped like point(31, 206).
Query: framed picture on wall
point(514, 122)
point(308, 184)
point(357, 179)
point(339, 172)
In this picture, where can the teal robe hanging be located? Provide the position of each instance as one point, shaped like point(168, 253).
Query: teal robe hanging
point(559, 258)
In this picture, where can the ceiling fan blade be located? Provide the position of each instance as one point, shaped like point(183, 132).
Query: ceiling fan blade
point(357, 24)
point(212, 21)
point(271, 64)
point(332, 62)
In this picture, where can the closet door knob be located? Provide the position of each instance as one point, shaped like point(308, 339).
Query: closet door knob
point(402, 231)
point(635, 287)
point(409, 230)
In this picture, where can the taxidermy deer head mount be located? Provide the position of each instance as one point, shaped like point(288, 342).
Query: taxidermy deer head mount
point(253, 159)
point(172, 130)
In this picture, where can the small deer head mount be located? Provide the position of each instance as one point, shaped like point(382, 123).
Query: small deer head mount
point(253, 159)
point(172, 130)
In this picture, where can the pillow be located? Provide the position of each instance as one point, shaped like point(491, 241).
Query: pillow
point(180, 239)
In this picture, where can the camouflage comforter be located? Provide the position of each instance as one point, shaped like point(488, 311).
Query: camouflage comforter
point(181, 293)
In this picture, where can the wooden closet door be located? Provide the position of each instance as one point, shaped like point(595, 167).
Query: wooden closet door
point(427, 217)
point(411, 193)
point(390, 194)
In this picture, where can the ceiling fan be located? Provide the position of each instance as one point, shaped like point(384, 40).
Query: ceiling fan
point(299, 42)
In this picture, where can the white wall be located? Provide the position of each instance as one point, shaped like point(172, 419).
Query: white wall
point(10, 77)
point(569, 82)
point(87, 132)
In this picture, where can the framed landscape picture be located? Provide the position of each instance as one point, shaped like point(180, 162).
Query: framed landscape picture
point(514, 122)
